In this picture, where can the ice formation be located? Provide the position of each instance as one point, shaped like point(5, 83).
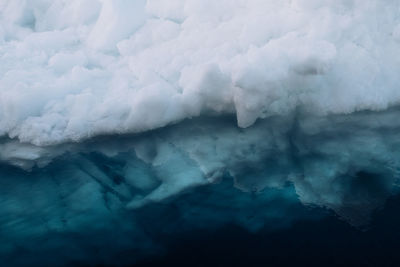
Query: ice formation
point(108, 107)
point(128, 190)
point(75, 69)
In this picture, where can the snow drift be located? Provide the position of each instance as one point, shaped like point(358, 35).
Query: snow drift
point(71, 70)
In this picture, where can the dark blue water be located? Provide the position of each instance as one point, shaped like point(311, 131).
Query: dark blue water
point(325, 242)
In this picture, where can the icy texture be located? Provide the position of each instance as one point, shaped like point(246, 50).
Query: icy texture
point(132, 191)
point(97, 136)
point(63, 216)
point(75, 69)
point(346, 163)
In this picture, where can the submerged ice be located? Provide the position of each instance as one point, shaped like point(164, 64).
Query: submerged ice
point(132, 191)
point(346, 163)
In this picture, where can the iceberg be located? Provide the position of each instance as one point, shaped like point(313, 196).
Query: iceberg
point(134, 123)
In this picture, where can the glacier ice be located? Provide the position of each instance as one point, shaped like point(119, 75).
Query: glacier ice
point(122, 121)
point(72, 70)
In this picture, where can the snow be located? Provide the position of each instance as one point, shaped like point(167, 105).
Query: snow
point(71, 70)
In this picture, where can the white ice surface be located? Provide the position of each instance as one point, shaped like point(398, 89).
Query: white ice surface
point(70, 70)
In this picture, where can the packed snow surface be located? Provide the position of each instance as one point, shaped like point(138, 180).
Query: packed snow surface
point(70, 70)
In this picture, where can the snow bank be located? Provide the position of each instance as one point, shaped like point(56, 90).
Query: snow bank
point(71, 70)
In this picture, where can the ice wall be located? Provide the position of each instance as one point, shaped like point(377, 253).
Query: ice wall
point(345, 163)
point(71, 70)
